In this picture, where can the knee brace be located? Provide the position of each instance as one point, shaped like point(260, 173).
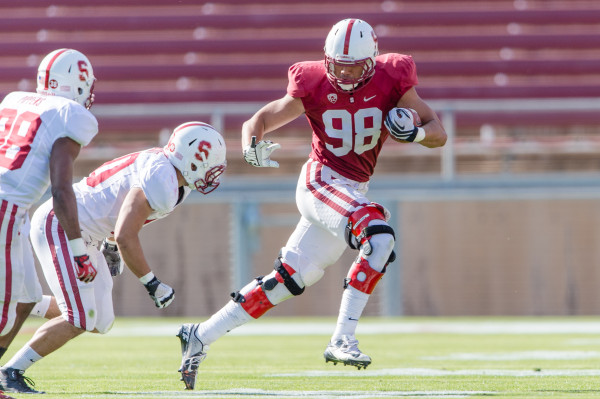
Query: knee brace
point(283, 274)
point(254, 301)
point(358, 232)
point(265, 292)
point(362, 276)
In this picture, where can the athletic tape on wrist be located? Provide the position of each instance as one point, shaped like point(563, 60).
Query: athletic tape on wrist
point(420, 135)
point(147, 278)
point(78, 247)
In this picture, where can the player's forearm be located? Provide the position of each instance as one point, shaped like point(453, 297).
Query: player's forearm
point(435, 135)
point(251, 127)
point(62, 157)
point(271, 117)
point(133, 255)
point(65, 209)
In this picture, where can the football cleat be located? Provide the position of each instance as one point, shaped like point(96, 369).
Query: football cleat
point(193, 352)
point(13, 380)
point(345, 350)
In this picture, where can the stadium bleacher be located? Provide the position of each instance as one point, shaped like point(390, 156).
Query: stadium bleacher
point(239, 51)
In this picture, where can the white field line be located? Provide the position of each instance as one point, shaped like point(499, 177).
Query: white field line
point(583, 341)
point(322, 328)
point(425, 372)
point(527, 355)
point(260, 393)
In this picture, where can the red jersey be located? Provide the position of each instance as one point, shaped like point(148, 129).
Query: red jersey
point(348, 130)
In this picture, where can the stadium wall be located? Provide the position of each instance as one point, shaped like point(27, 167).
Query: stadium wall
point(528, 256)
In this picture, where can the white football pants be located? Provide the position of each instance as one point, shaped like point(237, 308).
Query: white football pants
point(18, 278)
point(325, 200)
point(88, 306)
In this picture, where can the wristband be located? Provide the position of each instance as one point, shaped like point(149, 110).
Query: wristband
point(420, 135)
point(147, 278)
point(78, 247)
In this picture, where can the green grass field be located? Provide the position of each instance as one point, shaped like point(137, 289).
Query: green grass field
point(283, 358)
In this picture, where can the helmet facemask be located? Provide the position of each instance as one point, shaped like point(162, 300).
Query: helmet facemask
point(89, 101)
point(211, 180)
point(347, 83)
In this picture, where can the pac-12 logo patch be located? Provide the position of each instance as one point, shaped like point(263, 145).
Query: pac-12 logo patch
point(332, 97)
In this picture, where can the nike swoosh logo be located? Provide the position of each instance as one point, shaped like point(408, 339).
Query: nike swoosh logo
point(350, 318)
point(370, 98)
point(401, 127)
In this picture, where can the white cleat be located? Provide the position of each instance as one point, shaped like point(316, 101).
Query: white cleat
point(193, 352)
point(345, 350)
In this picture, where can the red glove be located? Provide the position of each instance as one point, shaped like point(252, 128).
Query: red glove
point(86, 271)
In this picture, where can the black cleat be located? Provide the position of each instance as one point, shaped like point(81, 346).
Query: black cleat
point(193, 352)
point(13, 380)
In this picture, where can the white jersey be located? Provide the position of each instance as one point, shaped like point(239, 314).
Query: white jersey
point(30, 123)
point(101, 194)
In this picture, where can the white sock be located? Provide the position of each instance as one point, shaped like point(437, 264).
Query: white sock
point(353, 303)
point(41, 307)
point(23, 359)
point(229, 317)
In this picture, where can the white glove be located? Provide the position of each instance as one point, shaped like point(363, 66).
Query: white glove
point(403, 124)
point(113, 258)
point(161, 294)
point(258, 154)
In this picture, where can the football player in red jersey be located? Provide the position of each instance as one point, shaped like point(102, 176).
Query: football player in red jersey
point(353, 101)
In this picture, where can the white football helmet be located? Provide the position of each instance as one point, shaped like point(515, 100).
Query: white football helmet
point(198, 151)
point(67, 73)
point(351, 42)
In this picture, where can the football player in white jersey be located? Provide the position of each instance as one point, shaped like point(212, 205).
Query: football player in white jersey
point(116, 200)
point(354, 100)
point(41, 135)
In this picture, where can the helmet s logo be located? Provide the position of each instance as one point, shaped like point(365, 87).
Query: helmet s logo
point(332, 97)
point(53, 84)
point(203, 148)
point(83, 69)
point(171, 147)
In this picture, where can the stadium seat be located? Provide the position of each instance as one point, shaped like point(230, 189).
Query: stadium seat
point(239, 51)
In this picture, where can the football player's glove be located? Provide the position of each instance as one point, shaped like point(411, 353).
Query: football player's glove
point(161, 294)
point(258, 154)
point(86, 272)
point(403, 124)
point(113, 257)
